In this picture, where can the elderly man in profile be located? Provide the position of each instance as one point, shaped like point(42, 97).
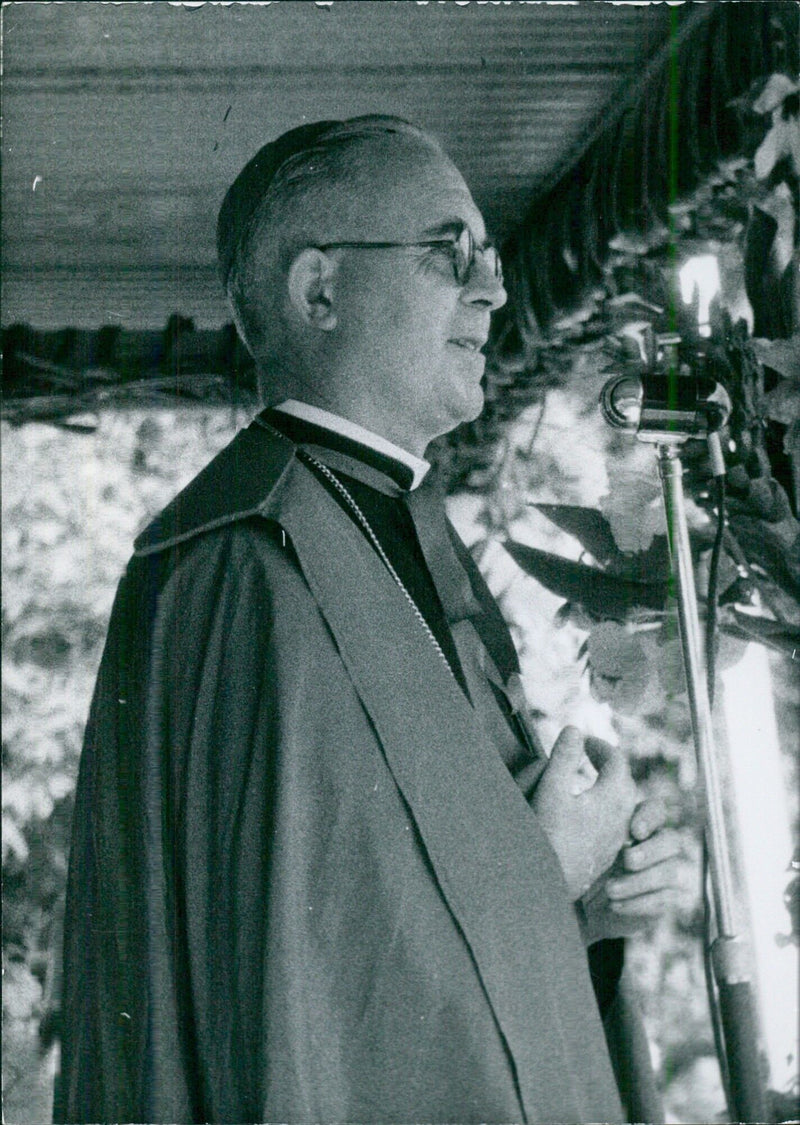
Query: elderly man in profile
point(321, 869)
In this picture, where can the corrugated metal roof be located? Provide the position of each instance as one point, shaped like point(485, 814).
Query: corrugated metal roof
point(135, 117)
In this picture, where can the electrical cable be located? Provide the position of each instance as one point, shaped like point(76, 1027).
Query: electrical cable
point(712, 600)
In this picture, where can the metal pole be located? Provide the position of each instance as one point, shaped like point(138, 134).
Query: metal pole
point(731, 956)
point(671, 472)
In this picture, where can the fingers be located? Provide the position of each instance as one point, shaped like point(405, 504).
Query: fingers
point(614, 788)
point(610, 762)
point(645, 908)
point(659, 877)
point(570, 750)
point(603, 755)
point(567, 753)
point(662, 845)
point(650, 816)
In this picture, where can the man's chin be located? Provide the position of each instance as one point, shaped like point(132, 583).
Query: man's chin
point(475, 402)
point(468, 407)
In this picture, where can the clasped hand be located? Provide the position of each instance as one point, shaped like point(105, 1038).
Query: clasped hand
point(618, 857)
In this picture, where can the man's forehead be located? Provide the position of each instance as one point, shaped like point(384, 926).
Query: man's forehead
point(403, 188)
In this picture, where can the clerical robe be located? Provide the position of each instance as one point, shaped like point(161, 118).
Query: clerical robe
point(305, 886)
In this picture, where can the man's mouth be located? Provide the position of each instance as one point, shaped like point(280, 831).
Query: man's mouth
point(469, 343)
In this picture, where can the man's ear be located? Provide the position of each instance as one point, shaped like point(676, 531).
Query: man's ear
point(310, 284)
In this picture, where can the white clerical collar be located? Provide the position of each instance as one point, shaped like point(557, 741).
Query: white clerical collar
point(338, 425)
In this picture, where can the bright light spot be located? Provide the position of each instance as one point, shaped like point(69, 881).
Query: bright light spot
point(763, 821)
point(700, 274)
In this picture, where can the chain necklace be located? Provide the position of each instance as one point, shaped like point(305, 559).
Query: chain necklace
point(365, 524)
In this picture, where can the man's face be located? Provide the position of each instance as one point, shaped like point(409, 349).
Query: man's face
point(408, 333)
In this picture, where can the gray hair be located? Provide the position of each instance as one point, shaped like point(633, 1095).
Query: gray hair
point(303, 188)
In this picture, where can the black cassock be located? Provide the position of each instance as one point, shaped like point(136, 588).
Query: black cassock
point(305, 881)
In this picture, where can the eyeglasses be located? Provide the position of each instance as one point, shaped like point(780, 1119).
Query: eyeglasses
point(463, 252)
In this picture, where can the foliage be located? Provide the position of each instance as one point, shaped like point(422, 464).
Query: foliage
point(690, 108)
point(761, 570)
point(602, 593)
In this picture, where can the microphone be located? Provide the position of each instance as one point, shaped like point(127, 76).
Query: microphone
point(665, 408)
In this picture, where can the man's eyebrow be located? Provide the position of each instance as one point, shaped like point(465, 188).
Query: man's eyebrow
point(453, 226)
point(449, 226)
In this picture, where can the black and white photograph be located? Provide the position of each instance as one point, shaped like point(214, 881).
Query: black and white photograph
point(400, 434)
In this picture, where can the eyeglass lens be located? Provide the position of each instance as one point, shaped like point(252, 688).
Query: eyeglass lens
point(465, 254)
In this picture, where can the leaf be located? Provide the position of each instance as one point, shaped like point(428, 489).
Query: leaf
point(588, 525)
point(783, 139)
point(629, 243)
point(773, 547)
point(613, 651)
point(14, 843)
point(22, 992)
point(780, 227)
point(626, 299)
point(777, 88)
point(593, 531)
point(654, 562)
point(773, 634)
point(60, 785)
point(633, 506)
point(619, 667)
point(769, 151)
point(783, 356)
point(603, 595)
point(783, 402)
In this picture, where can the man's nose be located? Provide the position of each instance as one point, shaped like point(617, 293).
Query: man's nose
point(484, 288)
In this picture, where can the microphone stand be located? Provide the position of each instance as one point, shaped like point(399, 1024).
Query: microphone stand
point(731, 955)
point(665, 409)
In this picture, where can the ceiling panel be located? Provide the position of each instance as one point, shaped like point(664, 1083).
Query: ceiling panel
point(124, 124)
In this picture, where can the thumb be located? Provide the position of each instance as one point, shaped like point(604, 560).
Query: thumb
point(609, 761)
point(567, 753)
point(614, 786)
